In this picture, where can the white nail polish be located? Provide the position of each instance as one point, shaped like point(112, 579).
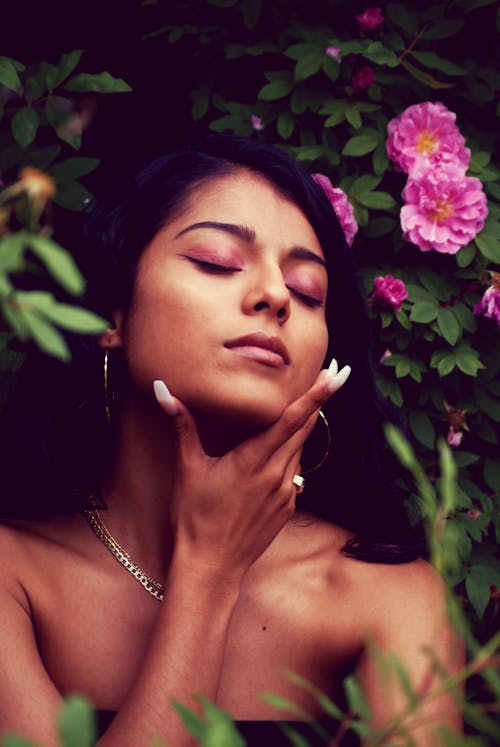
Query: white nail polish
point(335, 382)
point(333, 367)
point(164, 397)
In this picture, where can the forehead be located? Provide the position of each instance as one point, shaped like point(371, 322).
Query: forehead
point(247, 199)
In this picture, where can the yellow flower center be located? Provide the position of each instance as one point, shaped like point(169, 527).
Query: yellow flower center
point(37, 184)
point(426, 143)
point(495, 280)
point(443, 211)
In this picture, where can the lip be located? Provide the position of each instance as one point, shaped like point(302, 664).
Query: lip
point(262, 347)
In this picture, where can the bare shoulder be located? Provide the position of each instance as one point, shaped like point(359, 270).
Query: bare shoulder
point(375, 597)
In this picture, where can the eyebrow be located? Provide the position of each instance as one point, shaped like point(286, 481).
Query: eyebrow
point(248, 235)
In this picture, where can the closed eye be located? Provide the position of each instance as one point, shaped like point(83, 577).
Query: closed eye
point(212, 267)
point(307, 300)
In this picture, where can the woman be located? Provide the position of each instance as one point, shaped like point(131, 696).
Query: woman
point(227, 281)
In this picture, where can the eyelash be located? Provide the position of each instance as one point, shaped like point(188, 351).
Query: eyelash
point(213, 267)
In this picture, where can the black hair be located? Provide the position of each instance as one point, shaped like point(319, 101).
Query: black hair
point(68, 442)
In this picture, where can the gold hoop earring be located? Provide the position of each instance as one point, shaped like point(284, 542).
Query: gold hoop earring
point(328, 445)
point(108, 394)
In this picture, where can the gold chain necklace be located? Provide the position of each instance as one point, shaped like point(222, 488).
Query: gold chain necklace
point(102, 532)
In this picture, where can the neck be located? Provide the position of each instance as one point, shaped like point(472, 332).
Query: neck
point(138, 485)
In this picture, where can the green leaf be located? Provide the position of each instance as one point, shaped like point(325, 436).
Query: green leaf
point(380, 159)
point(424, 312)
point(24, 125)
point(478, 591)
point(489, 246)
point(435, 62)
point(11, 251)
point(8, 75)
point(331, 68)
point(285, 125)
point(326, 704)
point(466, 255)
point(64, 315)
point(440, 287)
point(10, 740)
point(449, 326)
point(77, 723)
point(300, 99)
point(443, 28)
point(376, 200)
point(467, 363)
point(416, 293)
point(355, 698)
point(65, 67)
point(72, 196)
point(193, 723)
point(489, 405)
point(200, 106)
point(360, 145)
point(446, 365)
point(58, 262)
point(73, 168)
point(308, 66)
point(100, 83)
point(403, 17)
point(491, 473)
point(275, 90)
point(379, 227)
point(298, 51)
point(376, 52)
point(35, 86)
point(364, 184)
point(353, 116)
point(425, 78)
point(251, 12)
point(422, 428)
point(45, 335)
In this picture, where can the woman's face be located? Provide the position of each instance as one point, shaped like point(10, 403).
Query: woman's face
point(228, 305)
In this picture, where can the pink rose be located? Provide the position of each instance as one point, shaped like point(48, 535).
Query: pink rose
point(363, 79)
point(333, 52)
point(444, 210)
point(341, 205)
point(454, 437)
point(257, 123)
point(389, 291)
point(370, 19)
point(425, 135)
point(474, 513)
point(489, 305)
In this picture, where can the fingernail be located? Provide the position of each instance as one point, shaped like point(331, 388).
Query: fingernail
point(335, 382)
point(164, 397)
point(333, 367)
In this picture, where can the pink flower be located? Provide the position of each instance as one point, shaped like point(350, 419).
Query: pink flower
point(425, 135)
point(454, 437)
point(489, 305)
point(389, 291)
point(386, 354)
point(257, 123)
point(370, 19)
point(341, 205)
point(474, 513)
point(444, 210)
point(363, 79)
point(333, 52)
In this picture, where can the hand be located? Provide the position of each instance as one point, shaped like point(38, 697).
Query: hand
point(227, 510)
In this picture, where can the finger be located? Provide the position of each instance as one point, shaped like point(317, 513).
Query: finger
point(187, 440)
point(296, 416)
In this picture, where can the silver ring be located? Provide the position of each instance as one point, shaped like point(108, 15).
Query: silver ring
point(299, 483)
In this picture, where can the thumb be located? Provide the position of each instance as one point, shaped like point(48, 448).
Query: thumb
point(187, 440)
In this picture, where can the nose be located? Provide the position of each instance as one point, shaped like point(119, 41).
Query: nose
point(267, 294)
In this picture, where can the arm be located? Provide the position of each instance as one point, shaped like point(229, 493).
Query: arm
point(226, 512)
point(411, 622)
